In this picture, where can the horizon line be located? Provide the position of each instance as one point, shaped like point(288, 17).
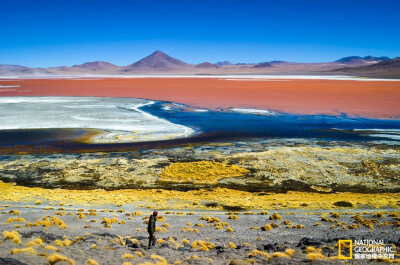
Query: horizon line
point(233, 63)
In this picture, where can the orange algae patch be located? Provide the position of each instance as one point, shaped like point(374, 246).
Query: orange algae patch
point(202, 172)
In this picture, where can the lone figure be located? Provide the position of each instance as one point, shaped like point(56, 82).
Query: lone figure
point(151, 229)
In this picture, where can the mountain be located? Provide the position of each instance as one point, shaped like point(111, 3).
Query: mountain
point(387, 68)
point(15, 69)
point(361, 60)
point(224, 63)
point(61, 68)
point(387, 64)
point(372, 58)
point(276, 62)
point(160, 63)
point(263, 65)
point(157, 61)
point(349, 59)
point(206, 65)
point(96, 66)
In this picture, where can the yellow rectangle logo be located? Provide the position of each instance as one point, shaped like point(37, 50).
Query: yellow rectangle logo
point(345, 244)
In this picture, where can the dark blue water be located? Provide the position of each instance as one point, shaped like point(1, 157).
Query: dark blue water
point(227, 124)
point(210, 126)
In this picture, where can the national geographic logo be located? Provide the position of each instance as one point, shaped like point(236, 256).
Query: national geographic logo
point(365, 249)
point(345, 244)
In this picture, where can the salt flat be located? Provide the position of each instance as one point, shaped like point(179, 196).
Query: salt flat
point(120, 119)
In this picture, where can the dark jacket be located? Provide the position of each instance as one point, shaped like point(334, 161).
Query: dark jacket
point(151, 228)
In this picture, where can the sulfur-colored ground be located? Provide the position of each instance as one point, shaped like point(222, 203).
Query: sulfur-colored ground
point(212, 199)
point(256, 166)
point(305, 96)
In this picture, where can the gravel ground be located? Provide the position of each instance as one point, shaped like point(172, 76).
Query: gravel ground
point(106, 245)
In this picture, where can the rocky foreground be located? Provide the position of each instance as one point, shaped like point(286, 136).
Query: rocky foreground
point(252, 202)
point(117, 235)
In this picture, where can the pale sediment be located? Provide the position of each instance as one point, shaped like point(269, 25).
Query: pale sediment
point(115, 120)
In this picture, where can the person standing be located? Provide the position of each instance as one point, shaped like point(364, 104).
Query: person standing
point(151, 229)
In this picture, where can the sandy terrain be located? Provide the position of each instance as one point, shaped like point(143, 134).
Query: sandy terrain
point(365, 98)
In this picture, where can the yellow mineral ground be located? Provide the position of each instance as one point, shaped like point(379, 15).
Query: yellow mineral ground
point(172, 199)
point(201, 172)
point(319, 168)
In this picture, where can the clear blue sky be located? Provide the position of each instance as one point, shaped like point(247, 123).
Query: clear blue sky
point(66, 32)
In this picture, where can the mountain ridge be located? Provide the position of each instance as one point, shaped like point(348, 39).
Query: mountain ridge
point(159, 62)
point(387, 68)
point(355, 59)
point(96, 65)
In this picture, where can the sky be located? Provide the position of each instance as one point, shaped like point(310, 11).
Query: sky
point(41, 33)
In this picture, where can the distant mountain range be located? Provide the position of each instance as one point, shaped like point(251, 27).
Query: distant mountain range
point(207, 65)
point(161, 63)
point(358, 59)
point(224, 63)
point(385, 68)
point(96, 66)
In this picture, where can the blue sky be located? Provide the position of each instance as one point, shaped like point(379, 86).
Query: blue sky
point(66, 32)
